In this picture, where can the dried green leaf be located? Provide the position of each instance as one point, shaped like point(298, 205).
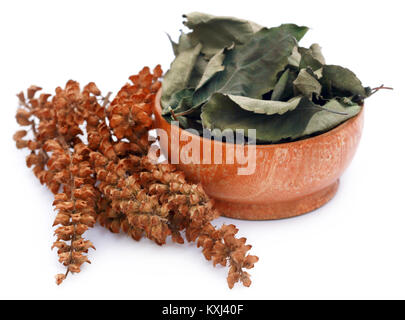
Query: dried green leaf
point(296, 31)
point(198, 71)
point(311, 57)
point(175, 46)
point(179, 101)
point(179, 74)
point(223, 113)
point(251, 70)
point(316, 50)
point(268, 107)
point(280, 86)
point(323, 121)
point(284, 89)
point(214, 66)
point(216, 32)
point(266, 82)
point(185, 43)
point(307, 84)
point(341, 82)
point(295, 58)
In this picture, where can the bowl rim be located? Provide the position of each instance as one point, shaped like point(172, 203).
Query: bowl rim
point(341, 127)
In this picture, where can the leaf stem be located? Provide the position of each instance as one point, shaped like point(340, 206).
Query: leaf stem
point(174, 115)
point(332, 111)
point(382, 87)
point(106, 99)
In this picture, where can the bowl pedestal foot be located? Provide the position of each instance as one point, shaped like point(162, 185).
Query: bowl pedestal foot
point(277, 210)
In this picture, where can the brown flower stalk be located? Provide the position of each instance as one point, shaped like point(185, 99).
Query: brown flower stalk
point(75, 205)
point(191, 210)
point(112, 180)
point(60, 161)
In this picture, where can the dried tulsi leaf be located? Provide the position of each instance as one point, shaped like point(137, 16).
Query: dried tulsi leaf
point(251, 70)
point(342, 81)
point(179, 74)
point(307, 84)
point(216, 33)
point(268, 107)
point(266, 81)
point(222, 113)
point(214, 66)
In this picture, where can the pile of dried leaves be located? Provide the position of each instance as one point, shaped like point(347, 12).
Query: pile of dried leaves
point(234, 74)
point(93, 155)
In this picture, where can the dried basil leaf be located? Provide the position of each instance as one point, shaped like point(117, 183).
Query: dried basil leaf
point(342, 82)
point(284, 89)
point(179, 74)
point(216, 32)
point(295, 58)
point(185, 43)
point(316, 51)
point(297, 32)
point(198, 71)
point(251, 70)
point(268, 107)
point(323, 121)
point(180, 101)
point(280, 86)
point(307, 84)
point(312, 57)
point(266, 82)
point(175, 46)
point(214, 65)
point(223, 113)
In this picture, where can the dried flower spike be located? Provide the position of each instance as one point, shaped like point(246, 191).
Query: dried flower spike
point(112, 179)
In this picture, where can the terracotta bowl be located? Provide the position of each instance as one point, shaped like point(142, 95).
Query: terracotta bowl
point(290, 179)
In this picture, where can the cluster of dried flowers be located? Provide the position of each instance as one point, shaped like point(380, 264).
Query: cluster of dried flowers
point(93, 155)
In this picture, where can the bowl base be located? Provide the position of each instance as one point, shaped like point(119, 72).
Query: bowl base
point(277, 210)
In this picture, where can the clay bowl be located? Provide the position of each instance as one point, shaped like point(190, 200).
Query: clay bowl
point(290, 179)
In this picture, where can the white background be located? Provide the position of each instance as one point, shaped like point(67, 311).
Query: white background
point(354, 247)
